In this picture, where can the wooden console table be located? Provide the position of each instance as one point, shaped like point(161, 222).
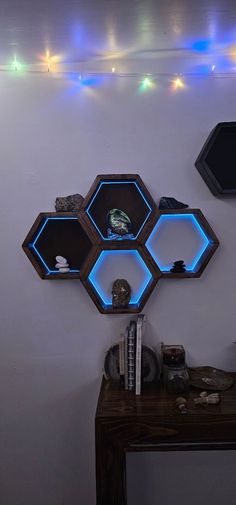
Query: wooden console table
point(125, 422)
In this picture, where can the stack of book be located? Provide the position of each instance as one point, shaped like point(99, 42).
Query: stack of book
point(130, 355)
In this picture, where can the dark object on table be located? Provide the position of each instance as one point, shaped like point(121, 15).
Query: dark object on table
point(209, 378)
point(168, 202)
point(71, 203)
point(121, 293)
point(118, 224)
point(175, 371)
point(176, 378)
point(181, 404)
point(173, 354)
point(150, 364)
point(216, 161)
point(178, 267)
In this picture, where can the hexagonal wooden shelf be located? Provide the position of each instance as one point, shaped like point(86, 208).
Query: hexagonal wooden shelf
point(122, 191)
point(63, 234)
point(119, 261)
point(180, 235)
point(159, 239)
point(217, 159)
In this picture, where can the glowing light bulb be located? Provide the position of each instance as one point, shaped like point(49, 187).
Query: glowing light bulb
point(178, 83)
point(16, 65)
point(147, 82)
point(48, 60)
point(113, 70)
point(213, 68)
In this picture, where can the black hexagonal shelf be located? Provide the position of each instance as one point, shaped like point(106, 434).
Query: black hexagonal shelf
point(121, 191)
point(217, 159)
point(111, 263)
point(54, 234)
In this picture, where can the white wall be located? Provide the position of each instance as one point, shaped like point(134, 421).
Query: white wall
point(55, 138)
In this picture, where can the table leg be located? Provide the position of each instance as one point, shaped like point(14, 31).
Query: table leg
point(110, 467)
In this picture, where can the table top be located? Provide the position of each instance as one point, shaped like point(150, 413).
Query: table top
point(156, 401)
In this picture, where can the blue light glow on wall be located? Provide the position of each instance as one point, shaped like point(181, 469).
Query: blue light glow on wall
point(105, 297)
point(197, 228)
point(103, 183)
point(34, 247)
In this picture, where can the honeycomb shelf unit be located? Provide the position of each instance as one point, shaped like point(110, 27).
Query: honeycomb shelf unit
point(217, 159)
point(63, 234)
point(159, 238)
point(182, 234)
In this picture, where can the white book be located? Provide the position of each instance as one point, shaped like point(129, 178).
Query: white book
point(122, 354)
point(139, 339)
point(126, 357)
point(131, 355)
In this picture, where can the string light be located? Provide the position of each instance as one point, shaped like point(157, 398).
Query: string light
point(16, 65)
point(178, 83)
point(48, 60)
point(144, 82)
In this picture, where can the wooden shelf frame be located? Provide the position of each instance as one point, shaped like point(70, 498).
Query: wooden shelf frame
point(123, 191)
point(64, 234)
point(151, 272)
point(198, 221)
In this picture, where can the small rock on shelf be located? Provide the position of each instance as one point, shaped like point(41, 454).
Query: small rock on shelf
point(178, 267)
point(61, 259)
point(168, 202)
point(62, 265)
point(71, 203)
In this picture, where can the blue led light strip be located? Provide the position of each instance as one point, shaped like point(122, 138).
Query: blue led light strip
point(33, 245)
point(172, 217)
point(118, 182)
point(105, 297)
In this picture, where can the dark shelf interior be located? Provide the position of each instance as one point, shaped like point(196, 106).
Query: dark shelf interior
point(60, 236)
point(126, 196)
point(222, 157)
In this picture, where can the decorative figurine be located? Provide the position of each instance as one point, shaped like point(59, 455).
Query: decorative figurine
point(119, 225)
point(121, 293)
point(167, 202)
point(178, 267)
point(206, 399)
point(71, 203)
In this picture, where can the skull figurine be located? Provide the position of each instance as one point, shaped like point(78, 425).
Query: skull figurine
point(121, 293)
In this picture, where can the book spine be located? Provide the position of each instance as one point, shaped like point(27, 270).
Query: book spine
point(138, 358)
point(122, 359)
point(126, 358)
point(131, 356)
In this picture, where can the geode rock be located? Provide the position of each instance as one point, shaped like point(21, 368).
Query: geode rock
point(71, 203)
point(118, 222)
point(168, 202)
point(121, 293)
